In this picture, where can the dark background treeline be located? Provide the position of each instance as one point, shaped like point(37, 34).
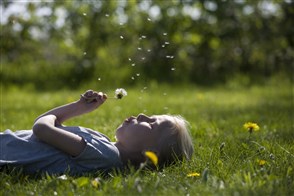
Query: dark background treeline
point(66, 44)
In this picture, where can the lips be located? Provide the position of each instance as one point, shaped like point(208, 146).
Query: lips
point(130, 119)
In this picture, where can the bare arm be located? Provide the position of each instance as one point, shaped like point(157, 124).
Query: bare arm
point(44, 128)
point(45, 125)
point(77, 108)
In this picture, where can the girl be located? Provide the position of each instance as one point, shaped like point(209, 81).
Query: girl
point(53, 148)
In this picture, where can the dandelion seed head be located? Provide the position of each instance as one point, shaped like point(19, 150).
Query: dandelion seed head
point(120, 93)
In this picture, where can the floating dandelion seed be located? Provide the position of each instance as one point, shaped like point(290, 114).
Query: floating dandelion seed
point(162, 45)
point(138, 74)
point(166, 43)
point(148, 50)
point(132, 78)
point(143, 58)
point(107, 15)
point(130, 59)
point(143, 36)
point(139, 48)
point(120, 93)
point(121, 37)
point(152, 156)
point(99, 79)
point(173, 69)
point(133, 64)
point(148, 19)
point(164, 34)
point(84, 14)
point(85, 53)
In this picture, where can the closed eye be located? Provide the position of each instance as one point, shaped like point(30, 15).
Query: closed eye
point(153, 124)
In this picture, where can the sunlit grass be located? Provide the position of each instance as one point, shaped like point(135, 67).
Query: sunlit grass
point(225, 161)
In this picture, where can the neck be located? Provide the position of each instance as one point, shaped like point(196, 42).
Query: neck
point(126, 156)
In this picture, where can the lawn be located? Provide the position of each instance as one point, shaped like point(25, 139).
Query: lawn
point(227, 159)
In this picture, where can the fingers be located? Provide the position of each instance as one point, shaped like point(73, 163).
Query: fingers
point(89, 92)
point(91, 96)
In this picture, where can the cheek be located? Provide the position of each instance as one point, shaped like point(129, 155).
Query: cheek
point(119, 132)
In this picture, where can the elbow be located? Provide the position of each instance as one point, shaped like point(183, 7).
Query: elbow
point(39, 128)
point(42, 125)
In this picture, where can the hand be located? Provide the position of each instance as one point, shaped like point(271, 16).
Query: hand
point(93, 99)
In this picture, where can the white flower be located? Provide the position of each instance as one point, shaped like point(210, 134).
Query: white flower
point(120, 92)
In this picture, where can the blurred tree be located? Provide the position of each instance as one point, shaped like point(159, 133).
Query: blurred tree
point(71, 43)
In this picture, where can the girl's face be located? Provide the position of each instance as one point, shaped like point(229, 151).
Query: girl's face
point(141, 132)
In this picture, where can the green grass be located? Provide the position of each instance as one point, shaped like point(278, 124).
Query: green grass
point(216, 116)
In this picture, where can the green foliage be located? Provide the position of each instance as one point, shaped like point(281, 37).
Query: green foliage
point(74, 43)
point(228, 161)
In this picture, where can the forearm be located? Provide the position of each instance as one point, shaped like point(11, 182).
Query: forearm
point(45, 129)
point(66, 112)
point(88, 102)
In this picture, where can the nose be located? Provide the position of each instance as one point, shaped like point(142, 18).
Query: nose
point(143, 117)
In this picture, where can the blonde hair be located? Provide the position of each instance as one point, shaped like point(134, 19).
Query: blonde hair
point(176, 143)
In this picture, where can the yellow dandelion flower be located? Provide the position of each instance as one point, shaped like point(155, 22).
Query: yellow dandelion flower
point(96, 183)
point(261, 162)
point(250, 127)
point(152, 156)
point(194, 174)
